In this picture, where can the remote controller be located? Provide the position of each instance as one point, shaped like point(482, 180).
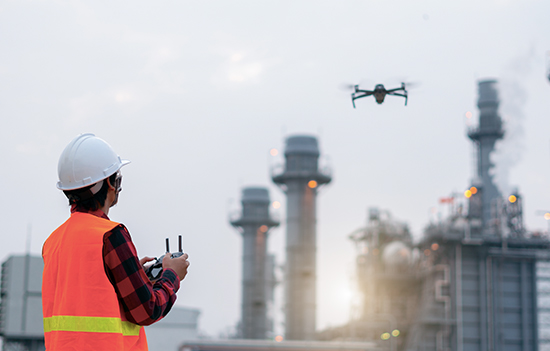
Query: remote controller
point(154, 271)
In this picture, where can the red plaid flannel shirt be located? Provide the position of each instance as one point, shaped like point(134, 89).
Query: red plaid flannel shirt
point(144, 303)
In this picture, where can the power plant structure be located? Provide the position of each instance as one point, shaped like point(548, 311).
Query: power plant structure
point(477, 280)
point(300, 180)
point(258, 280)
point(493, 276)
point(488, 132)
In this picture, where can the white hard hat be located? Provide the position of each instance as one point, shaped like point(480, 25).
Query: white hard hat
point(85, 161)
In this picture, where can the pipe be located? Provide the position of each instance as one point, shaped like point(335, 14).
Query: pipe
point(458, 272)
point(489, 304)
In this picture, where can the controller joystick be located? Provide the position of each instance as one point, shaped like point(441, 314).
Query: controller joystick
point(154, 271)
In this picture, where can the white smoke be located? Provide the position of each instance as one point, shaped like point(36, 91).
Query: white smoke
point(513, 97)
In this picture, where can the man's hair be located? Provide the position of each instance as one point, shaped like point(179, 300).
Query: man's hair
point(85, 200)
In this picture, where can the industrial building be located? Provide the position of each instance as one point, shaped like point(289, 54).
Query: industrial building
point(178, 325)
point(21, 325)
point(493, 274)
point(478, 280)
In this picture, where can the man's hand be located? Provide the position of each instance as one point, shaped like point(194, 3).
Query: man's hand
point(178, 264)
point(145, 259)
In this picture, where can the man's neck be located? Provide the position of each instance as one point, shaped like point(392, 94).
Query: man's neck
point(109, 200)
point(105, 209)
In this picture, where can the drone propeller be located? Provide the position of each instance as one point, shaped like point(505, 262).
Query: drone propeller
point(361, 84)
point(409, 85)
point(345, 86)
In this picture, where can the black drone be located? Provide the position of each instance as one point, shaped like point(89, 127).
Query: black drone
point(379, 93)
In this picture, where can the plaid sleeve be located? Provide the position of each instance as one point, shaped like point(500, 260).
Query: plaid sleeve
point(144, 303)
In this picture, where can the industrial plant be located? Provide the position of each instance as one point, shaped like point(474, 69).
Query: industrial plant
point(476, 280)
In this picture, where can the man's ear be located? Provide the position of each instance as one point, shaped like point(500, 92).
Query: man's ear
point(109, 184)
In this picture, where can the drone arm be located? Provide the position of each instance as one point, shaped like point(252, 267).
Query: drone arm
point(369, 92)
point(364, 93)
point(396, 89)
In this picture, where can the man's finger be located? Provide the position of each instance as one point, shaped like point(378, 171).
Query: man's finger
point(145, 259)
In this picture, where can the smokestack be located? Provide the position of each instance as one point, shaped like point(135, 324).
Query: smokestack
point(300, 181)
point(485, 136)
point(254, 226)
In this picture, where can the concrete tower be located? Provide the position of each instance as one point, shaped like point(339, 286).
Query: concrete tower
point(485, 136)
point(299, 181)
point(254, 225)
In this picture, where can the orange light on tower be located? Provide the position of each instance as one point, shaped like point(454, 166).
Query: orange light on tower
point(473, 190)
point(512, 198)
point(273, 152)
point(468, 193)
point(276, 204)
point(435, 246)
point(312, 184)
point(263, 228)
point(279, 338)
point(468, 115)
point(547, 216)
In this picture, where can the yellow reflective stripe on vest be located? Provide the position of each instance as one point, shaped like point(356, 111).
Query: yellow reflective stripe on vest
point(90, 325)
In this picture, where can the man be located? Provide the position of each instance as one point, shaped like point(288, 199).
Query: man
point(95, 293)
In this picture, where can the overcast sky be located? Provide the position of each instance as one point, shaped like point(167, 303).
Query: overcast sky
point(196, 94)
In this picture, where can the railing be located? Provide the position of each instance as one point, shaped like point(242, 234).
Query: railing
point(236, 215)
point(279, 169)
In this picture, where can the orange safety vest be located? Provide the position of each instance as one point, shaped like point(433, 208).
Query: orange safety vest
point(79, 303)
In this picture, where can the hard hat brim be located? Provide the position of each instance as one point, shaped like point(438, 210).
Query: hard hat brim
point(75, 187)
